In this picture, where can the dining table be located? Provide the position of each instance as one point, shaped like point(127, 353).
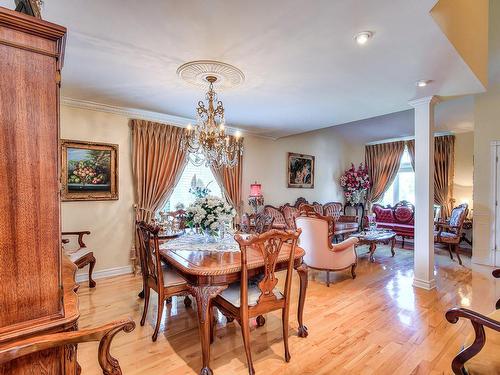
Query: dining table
point(209, 268)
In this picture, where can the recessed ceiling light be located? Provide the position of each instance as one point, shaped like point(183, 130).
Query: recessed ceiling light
point(423, 82)
point(363, 37)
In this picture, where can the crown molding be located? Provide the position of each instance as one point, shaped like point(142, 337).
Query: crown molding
point(134, 113)
point(431, 100)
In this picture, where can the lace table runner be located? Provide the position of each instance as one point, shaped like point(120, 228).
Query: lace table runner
point(197, 242)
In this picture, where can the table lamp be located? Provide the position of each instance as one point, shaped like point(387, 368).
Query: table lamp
point(256, 199)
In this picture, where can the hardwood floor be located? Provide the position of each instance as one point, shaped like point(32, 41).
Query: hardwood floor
point(375, 324)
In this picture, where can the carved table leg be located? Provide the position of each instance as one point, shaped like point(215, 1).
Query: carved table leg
point(302, 270)
point(373, 247)
point(203, 295)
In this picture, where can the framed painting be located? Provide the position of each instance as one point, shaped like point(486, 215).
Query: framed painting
point(300, 173)
point(89, 171)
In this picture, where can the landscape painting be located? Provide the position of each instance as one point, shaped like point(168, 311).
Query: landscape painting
point(300, 171)
point(89, 171)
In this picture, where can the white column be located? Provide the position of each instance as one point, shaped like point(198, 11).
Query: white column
point(424, 193)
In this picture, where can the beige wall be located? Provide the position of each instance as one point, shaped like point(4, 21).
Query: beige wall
point(265, 161)
point(464, 157)
point(111, 222)
point(486, 130)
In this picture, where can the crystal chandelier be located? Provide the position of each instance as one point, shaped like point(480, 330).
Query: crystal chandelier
point(207, 142)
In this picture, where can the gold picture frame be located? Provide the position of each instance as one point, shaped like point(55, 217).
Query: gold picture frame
point(300, 171)
point(89, 171)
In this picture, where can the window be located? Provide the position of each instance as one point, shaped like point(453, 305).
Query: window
point(181, 195)
point(403, 187)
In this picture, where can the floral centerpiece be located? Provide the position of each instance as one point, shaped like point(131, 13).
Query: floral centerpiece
point(209, 214)
point(355, 182)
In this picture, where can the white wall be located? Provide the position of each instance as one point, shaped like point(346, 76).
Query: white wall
point(111, 222)
point(486, 130)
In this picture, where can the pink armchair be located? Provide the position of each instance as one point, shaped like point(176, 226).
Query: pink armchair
point(321, 254)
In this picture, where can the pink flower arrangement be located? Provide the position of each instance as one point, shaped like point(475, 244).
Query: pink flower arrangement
point(355, 182)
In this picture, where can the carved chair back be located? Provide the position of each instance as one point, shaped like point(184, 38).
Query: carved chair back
point(149, 248)
point(299, 201)
point(333, 209)
point(315, 207)
point(269, 244)
point(177, 218)
point(457, 218)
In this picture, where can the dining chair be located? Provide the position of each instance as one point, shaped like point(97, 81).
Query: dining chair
point(317, 241)
point(156, 275)
point(256, 223)
point(244, 300)
point(81, 256)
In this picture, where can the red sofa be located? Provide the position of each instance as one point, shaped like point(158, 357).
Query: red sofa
point(399, 218)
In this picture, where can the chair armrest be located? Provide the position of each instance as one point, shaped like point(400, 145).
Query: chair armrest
point(478, 321)
point(103, 334)
point(80, 235)
point(344, 245)
point(347, 219)
point(64, 241)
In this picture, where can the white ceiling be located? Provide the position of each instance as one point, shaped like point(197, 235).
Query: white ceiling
point(303, 70)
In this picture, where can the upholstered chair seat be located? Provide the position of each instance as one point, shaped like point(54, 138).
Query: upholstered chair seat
point(321, 253)
point(172, 278)
point(233, 294)
point(74, 255)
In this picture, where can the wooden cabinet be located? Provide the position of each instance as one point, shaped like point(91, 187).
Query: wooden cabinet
point(33, 297)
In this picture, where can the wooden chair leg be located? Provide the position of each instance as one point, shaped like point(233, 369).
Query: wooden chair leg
point(91, 269)
point(285, 332)
point(403, 244)
point(449, 250)
point(146, 305)
point(187, 301)
point(161, 303)
point(212, 325)
point(245, 332)
point(353, 270)
point(328, 278)
point(457, 251)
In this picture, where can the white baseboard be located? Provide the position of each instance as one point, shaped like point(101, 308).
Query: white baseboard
point(424, 284)
point(83, 275)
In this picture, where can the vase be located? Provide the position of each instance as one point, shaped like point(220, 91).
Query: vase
point(209, 236)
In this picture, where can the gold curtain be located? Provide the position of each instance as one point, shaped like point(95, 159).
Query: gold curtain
point(410, 146)
point(230, 180)
point(382, 161)
point(444, 162)
point(157, 164)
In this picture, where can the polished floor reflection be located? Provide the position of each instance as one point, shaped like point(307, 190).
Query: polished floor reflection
point(375, 324)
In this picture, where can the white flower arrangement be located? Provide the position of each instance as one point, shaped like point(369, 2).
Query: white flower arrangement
point(209, 213)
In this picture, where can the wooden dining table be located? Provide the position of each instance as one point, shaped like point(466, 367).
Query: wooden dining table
point(208, 273)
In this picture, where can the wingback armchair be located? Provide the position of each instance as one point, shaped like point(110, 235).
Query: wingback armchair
point(450, 232)
point(321, 254)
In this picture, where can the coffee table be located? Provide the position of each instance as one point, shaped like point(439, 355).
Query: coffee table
point(374, 237)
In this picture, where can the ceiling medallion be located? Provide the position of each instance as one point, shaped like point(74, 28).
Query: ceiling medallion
point(207, 142)
point(196, 73)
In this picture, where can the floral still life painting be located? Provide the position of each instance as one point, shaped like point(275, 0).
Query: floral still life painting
point(300, 171)
point(89, 171)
